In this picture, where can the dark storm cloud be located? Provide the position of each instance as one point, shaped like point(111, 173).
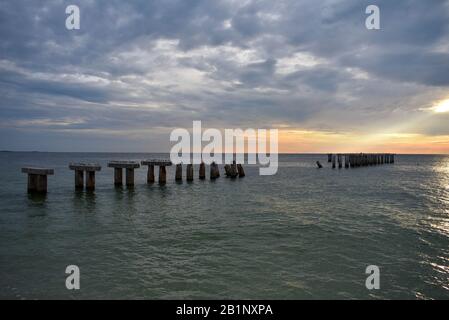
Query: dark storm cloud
point(141, 64)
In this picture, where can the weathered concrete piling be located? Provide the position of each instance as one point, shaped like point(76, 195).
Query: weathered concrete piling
point(37, 179)
point(90, 169)
point(354, 160)
point(129, 166)
point(227, 168)
point(162, 163)
point(233, 170)
point(214, 171)
point(162, 175)
point(240, 170)
point(202, 171)
point(189, 172)
point(178, 175)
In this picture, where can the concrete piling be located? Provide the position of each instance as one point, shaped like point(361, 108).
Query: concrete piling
point(162, 163)
point(41, 183)
point(202, 171)
point(354, 160)
point(178, 175)
point(79, 179)
point(227, 169)
point(162, 175)
point(32, 183)
point(129, 177)
point(189, 173)
point(233, 170)
point(150, 174)
point(90, 180)
point(214, 171)
point(90, 169)
point(37, 179)
point(118, 176)
point(240, 171)
point(118, 171)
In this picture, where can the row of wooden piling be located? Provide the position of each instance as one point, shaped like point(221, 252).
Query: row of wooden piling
point(354, 160)
point(37, 177)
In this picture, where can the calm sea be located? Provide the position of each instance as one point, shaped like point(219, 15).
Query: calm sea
point(304, 233)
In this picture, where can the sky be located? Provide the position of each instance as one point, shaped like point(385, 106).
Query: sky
point(136, 70)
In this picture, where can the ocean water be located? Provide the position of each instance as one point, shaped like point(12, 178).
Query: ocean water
point(303, 233)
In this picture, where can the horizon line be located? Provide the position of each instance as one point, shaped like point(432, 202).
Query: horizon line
point(166, 152)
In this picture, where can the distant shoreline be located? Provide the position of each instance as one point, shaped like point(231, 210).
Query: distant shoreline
point(166, 152)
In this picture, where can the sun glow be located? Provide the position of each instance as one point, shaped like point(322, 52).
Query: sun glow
point(441, 106)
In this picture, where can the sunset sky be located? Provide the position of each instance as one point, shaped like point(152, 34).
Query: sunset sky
point(136, 70)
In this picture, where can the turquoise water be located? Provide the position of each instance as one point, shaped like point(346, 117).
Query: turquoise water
point(301, 234)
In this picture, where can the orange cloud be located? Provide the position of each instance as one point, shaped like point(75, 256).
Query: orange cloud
point(303, 141)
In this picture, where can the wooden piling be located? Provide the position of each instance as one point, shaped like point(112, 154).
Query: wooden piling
point(339, 161)
point(319, 165)
point(333, 161)
point(329, 157)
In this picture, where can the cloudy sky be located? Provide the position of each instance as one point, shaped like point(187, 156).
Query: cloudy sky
point(138, 69)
